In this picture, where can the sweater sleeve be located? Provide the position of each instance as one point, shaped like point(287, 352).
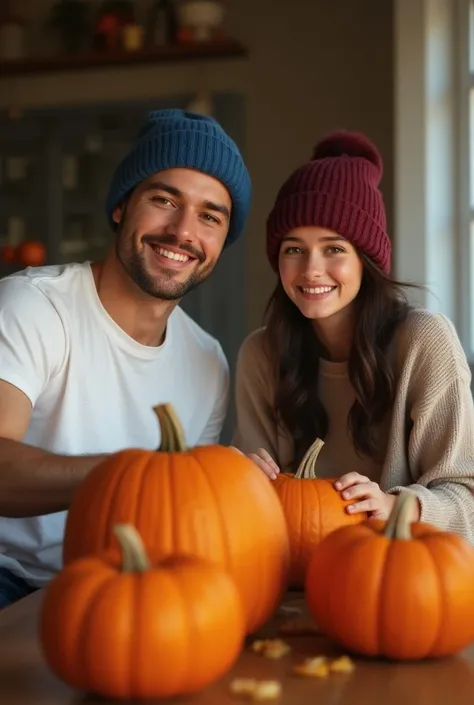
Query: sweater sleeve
point(441, 441)
point(255, 424)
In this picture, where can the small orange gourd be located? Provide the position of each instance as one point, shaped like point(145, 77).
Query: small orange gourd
point(209, 501)
point(122, 628)
point(313, 508)
point(395, 589)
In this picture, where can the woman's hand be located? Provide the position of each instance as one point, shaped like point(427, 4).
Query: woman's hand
point(367, 495)
point(263, 460)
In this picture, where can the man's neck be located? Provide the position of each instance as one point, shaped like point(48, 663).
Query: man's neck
point(143, 318)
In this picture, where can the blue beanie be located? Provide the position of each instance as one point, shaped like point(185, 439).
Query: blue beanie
point(176, 138)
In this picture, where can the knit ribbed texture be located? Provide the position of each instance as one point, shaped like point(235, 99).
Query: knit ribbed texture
point(338, 190)
point(428, 437)
point(179, 139)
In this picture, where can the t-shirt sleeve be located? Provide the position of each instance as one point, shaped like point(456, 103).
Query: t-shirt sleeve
point(212, 432)
point(32, 338)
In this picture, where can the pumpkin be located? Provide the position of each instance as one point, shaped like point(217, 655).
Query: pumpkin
point(210, 501)
point(398, 589)
point(313, 508)
point(124, 628)
point(31, 253)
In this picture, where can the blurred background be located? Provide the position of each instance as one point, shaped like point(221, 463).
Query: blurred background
point(78, 76)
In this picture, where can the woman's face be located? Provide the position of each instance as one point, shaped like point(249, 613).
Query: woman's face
point(320, 272)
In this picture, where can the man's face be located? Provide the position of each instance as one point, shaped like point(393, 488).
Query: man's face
point(171, 231)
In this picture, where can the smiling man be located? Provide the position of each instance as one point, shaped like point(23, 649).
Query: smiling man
point(87, 349)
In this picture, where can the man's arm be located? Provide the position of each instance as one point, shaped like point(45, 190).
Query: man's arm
point(33, 481)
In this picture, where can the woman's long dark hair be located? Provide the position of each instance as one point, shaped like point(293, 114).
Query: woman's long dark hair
point(295, 351)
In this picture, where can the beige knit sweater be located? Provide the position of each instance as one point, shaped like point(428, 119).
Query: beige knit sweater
point(428, 436)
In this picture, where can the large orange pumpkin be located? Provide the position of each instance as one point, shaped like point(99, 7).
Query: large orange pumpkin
point(313, 508)
point(393, 589)
point(210, 501)
point(122, 628)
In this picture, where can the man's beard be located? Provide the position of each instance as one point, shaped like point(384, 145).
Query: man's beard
point(164, 286)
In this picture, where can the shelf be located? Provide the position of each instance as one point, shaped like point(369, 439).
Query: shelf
point(222, 48)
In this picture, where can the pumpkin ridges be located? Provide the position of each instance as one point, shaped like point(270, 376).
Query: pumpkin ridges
point(269, 559)
point(60, 604)
point(107, 623)
point(460, 612)
point(294, 494)
point(289, 494)
point(147, 659)
point(204, 623)
point(186, 636)
point(343, 602)
point(327, 602)
point(96, 491)
point(417, 603)
point(186, 532)
point(108, 518)
point(202, 464)
point(123, 485)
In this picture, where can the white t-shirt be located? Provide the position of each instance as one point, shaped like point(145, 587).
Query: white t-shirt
point(92, 387)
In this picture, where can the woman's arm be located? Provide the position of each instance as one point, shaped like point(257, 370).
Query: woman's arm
point(440, 450)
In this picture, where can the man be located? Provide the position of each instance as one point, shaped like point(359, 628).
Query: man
point(86, 350)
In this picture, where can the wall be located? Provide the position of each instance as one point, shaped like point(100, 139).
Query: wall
point(425, 147)
point(314, 65)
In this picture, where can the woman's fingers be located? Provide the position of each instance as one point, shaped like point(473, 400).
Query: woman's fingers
point(350, 478)
point(265, 462)
point(366, 505)
point(364, 489)
point(268, 459)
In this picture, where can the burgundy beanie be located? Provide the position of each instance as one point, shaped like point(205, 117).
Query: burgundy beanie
point(337, 190)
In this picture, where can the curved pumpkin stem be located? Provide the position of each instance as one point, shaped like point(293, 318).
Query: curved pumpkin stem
point(172, 435)
point(134, 557)
point(307, 467)
point(398, 524)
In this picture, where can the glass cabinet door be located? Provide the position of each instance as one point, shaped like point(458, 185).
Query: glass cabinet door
point(22, 195)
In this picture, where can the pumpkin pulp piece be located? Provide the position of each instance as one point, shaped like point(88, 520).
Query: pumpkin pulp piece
point(398, 526)
point(172, 434)
point(306, 469)
point(134, 557)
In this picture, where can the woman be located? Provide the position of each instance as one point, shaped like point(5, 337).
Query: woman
point(343, 356)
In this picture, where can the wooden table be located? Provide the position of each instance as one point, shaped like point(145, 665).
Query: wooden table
point(26, 680)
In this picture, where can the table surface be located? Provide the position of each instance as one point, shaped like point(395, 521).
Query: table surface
point(25, 679)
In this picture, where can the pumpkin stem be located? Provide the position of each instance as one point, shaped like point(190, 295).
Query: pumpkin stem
point(134, 557)
point(172, 435)
point(306, 469)
point(398, 524)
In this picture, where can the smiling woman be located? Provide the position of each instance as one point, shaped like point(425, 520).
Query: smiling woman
point(321, 272)
point(345, 370)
